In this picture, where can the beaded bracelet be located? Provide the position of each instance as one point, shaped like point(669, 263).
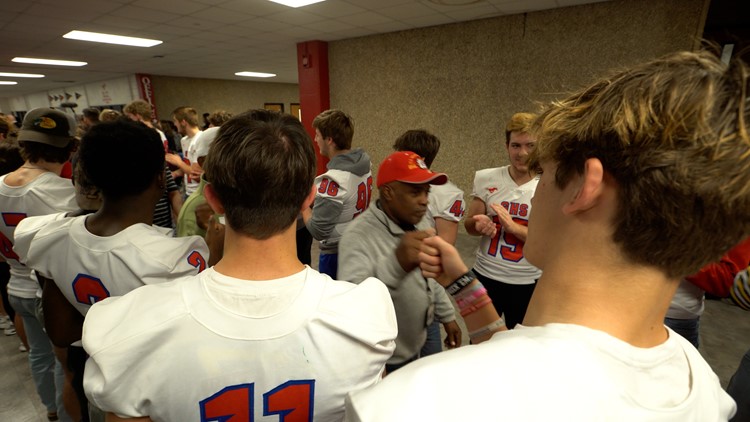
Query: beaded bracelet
point(487, 329)
point(475, 307)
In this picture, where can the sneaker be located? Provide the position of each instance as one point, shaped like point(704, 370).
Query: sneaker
point(22, 348)
point(10, 330)
point(5, 322)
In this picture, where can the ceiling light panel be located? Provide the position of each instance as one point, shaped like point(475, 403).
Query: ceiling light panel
point(48, 61)
point(296, 3)
point(20, 75)
point(256, 74)
point(8, 83)
point(111, 39)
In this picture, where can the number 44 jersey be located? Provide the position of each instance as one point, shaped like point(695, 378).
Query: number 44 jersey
point(89, 268)
point(501, 257)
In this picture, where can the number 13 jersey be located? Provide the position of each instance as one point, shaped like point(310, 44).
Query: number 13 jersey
point(501, 257)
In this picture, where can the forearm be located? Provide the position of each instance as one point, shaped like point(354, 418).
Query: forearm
point(517, 230)
point(175, 199)
point(447, 229)
point(62, 321)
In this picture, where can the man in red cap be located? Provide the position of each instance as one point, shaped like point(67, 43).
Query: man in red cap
point(384, 242)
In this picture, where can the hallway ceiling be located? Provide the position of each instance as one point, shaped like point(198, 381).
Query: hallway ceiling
point(208, 38)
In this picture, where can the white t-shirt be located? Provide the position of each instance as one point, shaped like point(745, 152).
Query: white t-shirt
point(89, 268)
point(189, 144)
point(501, 257)
point(47, 194)
point(557, 372)
point(214, 346)
point(446, 202)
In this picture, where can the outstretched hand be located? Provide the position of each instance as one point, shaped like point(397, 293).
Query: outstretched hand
point(440, 260)
point(484, 225)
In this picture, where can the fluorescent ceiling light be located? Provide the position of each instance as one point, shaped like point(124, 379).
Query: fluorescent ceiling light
point(296, 3)
point(20, 75)
point(8, 83)
point(48, 61)
point(110, 39)
point(256, 74)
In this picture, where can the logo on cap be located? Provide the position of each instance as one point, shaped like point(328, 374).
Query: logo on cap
point(45, 123)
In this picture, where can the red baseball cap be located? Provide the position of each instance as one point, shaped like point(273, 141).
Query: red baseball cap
point(407, 167)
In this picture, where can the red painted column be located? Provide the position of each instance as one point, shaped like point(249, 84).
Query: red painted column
point(314, 95)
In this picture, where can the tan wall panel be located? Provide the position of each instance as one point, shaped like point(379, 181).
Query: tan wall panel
point(463, 81)
point(208, 95)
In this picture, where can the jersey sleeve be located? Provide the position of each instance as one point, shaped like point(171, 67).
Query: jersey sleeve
point(330, 194)
point(119, 343)
point(24, 235)
point(181, 257)
point(451, 206)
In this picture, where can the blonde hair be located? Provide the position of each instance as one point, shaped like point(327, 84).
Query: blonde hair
point(673, 135)
point(519, 122)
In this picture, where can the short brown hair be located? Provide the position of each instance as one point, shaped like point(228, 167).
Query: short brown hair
point(673, 135)
point(219, 117)
point(187, 114)
point(337, 125)
point(519, 122)
point(425, 144)
point(36, 151)
point(140, 108)
point(262, 168)
point(109, 115)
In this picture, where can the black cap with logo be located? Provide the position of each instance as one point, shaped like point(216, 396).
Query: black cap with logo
point(47, 126)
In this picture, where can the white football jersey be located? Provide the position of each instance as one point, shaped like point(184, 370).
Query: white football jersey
point(188, 149)
point(501, 257)
point(47, 194)
point(214, 347)
point(351, 191)
point(446, 202)
point(89, 268)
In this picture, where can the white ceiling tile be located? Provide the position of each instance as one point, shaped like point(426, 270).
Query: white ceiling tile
point(379, 4)
point(263, 24)
point(235, 30)
point(481, 12)
point(295, 17)
point(430, 20)
point(212, 2)
point(218, 14)
point(115, 25)
point(410, 10)
point(566, 3)
point(180, 7)
point(334, 9)
point(208, 38)
point(256, 8)
point(143, 14)
point(391, 26)
point(195, 24)
point(351, 33)
point(330, 25)
point(365, 18)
